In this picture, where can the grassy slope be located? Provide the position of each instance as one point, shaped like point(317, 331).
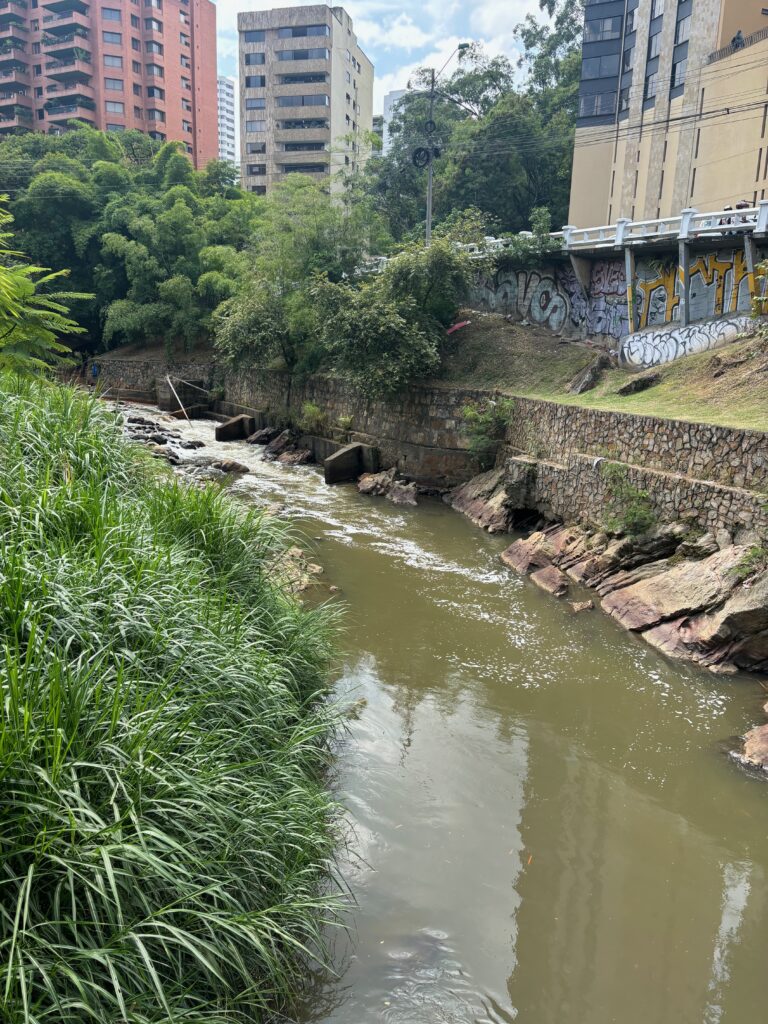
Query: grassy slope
point(530, 361)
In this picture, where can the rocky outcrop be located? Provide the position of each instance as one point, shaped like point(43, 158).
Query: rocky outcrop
point(484, 500)
point(686, 597)
point(401, 493)
point(377, 483)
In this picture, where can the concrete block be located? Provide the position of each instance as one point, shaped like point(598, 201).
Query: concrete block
point(345, 464)
point(236, 429)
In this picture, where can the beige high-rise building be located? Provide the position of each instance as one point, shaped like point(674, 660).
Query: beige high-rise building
point(673, 109)
point(306, 94)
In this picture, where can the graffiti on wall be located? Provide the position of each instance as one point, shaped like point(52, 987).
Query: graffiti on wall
point(552, 296)
point(531, 295)
point(665, 344)
point(719, 284)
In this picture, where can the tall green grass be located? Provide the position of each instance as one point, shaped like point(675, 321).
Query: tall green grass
point(165, 835)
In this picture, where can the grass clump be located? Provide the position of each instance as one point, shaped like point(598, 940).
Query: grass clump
point(312, 419)
point(165, 836)
point(485, 424)
point(753, 561)
point(630, 510)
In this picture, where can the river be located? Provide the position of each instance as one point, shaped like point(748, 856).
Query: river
point(546, 827)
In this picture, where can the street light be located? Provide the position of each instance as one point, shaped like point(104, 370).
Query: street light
point(430, 127)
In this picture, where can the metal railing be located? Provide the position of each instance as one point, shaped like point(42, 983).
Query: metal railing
point(726, 51)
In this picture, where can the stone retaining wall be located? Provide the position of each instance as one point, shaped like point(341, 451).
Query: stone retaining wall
point(140, 374)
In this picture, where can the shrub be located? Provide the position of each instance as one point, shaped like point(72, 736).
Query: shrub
point(165, 838)
point(630, 510)
point(345, 422)
point(312, 420)
point(485, 424)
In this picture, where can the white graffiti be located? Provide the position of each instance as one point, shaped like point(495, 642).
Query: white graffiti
point(663, 345)
point(526, 294)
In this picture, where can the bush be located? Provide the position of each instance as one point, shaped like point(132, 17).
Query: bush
point(485, 424)
point(630, 509)
point(312, 420)
point(165, 838)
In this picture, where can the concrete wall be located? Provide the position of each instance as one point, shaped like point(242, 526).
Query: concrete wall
point(551, 296)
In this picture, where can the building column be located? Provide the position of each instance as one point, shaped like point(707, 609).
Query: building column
point(684, 272)
point(631, 277)
point(750, 256)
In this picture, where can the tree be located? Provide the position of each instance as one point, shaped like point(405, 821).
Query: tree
point(31, 319)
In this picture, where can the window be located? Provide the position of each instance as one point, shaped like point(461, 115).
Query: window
point(153, 25)
point(186, 105)
point(138, 113)
point(115, 127)
point(255, 126)
point(654, 46)
point(312, 54)
point(136, 89)
point(599, 104)
point(651, 84)
point(257, 35)
point(657, 8)
point(187, 126)
point(310, 78)
point(155, 115)
point(155, 92)
point(255, 81)
point(347, 76)
point(113, 107)
point(601, 29)
point(112, 62)
point(185, 83)
point(683, 30)
point(629, 59)
point(110, 14)
point(157, 4)
point(184, 39)
point(254, 58)
point(136, 67)
point(255, 147)
point(678, 72)
point(600, 67)
point(305, 168)
point(114, 84)
point(157, 71)
point(255, 169)
point(630, 22)
point(259, 103)
point(260, 190)
point(301, 123)
point(185, 61)
point(112, 37)
point(314, 100)
point(135, 22)
point(152, 47)
point(135, 44)
point(304, 147)
point(624, 100)
point(299, 31)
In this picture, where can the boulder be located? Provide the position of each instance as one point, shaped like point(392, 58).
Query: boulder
point(755, 749)
point(236, 428)
point(682, 590)
point(582, 606)
point(401, 493)
point(230, 466)
point(551, 580)
point(377, 483)
point(526, 555)
point(190, 445)
point(589, 377)
point(296, 457)
point(157, 438)
point(263, 436)
point(279, 444)
point(632, 387)
point(484, 500)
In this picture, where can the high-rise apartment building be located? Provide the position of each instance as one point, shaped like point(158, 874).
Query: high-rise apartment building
point(673, 108)
point(306, 94)
point(390, 104)
point(226, 103)
point(116, 64)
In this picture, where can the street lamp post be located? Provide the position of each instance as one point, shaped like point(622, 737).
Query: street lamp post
point(430, 127)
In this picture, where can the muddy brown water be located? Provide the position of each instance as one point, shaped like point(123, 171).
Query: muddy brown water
point(546, 826)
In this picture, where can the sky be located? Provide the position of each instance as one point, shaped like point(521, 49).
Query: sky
point(399, 37)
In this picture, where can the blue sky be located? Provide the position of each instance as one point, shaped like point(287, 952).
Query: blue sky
point(399, 37)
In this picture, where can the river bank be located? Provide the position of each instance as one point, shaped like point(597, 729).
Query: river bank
point(167, 837)
point(543, 823)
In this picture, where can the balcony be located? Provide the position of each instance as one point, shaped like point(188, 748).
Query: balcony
point(18, 7)
point(77, 110)
point(64, 23)
point(13, 76)
point(17, 118)
point(11, 37)
point(63, 6)
point(13, 57)
point(10, 20)
point(72, 46)
point(65, 92)
point(12, 99)
point(74, 70)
